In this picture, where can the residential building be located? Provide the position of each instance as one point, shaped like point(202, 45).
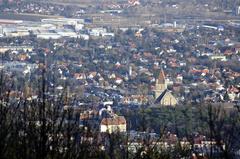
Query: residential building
point(113, 124)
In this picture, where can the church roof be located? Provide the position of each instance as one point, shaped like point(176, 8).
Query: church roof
point(161, 77)
point(158, 100)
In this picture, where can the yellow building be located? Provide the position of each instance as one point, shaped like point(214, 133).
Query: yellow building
point(163, 96)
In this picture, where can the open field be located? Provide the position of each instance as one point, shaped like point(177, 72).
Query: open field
point(79, 3)
point(25, 16)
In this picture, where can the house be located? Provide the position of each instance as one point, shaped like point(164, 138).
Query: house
point(97, 31)
point(80, 76)
point(135, 99)
point(162, 95)
point(16, 48)
point(113, 124)
point(134, 2)
point(219, 57)
point(118, 80)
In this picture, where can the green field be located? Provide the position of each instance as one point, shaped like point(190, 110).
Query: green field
point(26, 17)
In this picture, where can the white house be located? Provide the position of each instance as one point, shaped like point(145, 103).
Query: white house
point(114, 124)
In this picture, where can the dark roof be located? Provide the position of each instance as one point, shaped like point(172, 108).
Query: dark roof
point(158, 100)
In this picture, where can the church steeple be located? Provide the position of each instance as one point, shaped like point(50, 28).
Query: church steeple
point(161, 84)
point(162, 95)
point(161, 77)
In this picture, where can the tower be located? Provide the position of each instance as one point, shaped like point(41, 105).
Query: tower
point(238, 10)
point(130, 71)
point(160, 85)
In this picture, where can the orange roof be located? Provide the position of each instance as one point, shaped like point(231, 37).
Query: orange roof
point(119, 120)
point(228, 52)
point(173, 64)
point(22, 57)
point(147, 54)
point(199, 71)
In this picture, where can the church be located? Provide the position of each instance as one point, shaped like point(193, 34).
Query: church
point(163, 97)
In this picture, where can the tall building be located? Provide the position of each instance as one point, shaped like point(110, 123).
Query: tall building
point(130, 71)
point(238, 10)
point(163, 96)
point(160, 85)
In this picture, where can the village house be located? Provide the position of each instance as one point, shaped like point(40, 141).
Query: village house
point(113, 124)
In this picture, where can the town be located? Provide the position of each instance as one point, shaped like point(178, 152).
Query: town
point(130, 69)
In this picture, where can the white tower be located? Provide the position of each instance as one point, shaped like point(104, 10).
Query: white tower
point(130, 71)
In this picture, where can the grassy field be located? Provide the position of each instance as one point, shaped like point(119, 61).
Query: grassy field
point(24, 16)
point(82, 3)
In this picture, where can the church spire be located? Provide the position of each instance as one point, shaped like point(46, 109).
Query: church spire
point(162, 95)
point(160, 85)
point(161, 77)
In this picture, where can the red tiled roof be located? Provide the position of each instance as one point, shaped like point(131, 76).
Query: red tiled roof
point(119, 120)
